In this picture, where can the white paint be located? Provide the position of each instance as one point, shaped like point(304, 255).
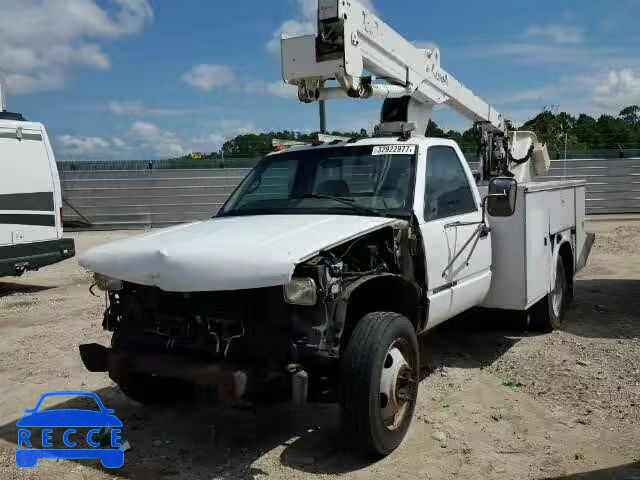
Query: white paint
point(511, 268)
point(226, 253)
point(465, 284)
point(394, 150)
point(524, 257)
point(367, 47)
point(27, 166)
point(373, 47)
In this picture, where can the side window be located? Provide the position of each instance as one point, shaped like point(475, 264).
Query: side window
point(447, 190)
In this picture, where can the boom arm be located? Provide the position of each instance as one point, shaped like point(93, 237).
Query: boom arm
point(369, 59)
point(353, 45)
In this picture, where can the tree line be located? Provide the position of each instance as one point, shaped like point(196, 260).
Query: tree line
point(559, 130)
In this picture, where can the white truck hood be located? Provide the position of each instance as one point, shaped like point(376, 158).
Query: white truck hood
point(229, 253)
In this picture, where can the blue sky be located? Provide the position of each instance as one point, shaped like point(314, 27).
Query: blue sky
point(151, 78)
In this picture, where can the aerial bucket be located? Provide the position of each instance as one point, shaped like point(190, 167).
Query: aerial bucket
point(529, 158)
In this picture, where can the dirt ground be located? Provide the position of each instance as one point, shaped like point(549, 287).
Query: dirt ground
point(571, 410)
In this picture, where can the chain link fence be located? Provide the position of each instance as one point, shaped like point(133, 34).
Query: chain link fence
point(141, 197)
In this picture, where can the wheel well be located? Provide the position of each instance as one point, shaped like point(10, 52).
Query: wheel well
point(566, 255)
point(388, 293)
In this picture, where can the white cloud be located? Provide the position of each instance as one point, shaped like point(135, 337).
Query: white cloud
point(209, 76)
point(156, 141)
point(276, 89)
point(425, 44)
point(541, 56)
point(564, 34)
point(605, 93)
point(235, 127)
point(528, 95)
point(139, 109)
point(145, 140)
point(619, 89)
point(145, 131)
point(564, 54)
point(40, 40)
point(223, 130)
point(78, 146)
point(354, 123)
point(293, 28)
point(303, 23)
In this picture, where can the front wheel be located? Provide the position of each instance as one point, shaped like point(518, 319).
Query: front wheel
point(379, 382)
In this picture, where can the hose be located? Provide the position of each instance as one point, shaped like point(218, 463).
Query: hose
point(524, 159)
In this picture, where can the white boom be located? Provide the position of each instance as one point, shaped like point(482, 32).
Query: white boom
point(369, 59)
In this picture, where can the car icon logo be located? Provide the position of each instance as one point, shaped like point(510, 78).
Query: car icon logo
point(69, 420)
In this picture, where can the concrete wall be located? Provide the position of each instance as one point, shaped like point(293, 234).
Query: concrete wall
point(142, 198)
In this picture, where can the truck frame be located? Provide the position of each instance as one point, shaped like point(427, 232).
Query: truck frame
point(318, 275)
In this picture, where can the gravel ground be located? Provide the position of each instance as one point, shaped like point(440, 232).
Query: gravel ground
point(572, 409)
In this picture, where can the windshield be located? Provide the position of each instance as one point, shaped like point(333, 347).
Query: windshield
point(358, 180)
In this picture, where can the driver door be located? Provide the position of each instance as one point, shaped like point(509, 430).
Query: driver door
point(449, 201)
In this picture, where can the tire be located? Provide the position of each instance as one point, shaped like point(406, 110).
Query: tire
point(550, 312)
point(381, 359)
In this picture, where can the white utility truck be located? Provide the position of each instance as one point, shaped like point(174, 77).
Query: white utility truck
point(30, 197)
point(321, 270)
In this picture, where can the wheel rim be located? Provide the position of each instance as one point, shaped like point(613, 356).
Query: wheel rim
point(557, 294)
point(396, 387)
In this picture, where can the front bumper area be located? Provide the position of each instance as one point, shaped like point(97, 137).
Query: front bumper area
point(230, 383)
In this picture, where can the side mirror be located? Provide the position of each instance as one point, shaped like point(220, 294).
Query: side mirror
point(501, 200)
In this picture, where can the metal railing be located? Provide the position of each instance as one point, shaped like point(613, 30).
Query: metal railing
point(139, 198)
point(249, 161)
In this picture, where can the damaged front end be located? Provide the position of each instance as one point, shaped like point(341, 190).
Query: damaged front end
point(265, 343)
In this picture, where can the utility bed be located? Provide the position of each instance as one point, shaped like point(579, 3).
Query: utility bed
point(546, 212)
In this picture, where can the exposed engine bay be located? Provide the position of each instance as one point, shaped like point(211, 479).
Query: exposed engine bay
point(269, 333)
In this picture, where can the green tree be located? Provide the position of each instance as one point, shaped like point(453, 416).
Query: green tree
point(630, 114)
point(552, 127)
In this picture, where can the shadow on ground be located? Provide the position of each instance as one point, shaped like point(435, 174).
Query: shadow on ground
point(206, 440)
point(9, 288)
point(606, 308)
point(630, 471)
point(203, 440)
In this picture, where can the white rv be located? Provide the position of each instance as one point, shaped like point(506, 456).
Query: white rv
point(30, 197)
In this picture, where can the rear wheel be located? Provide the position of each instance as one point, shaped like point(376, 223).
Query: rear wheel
point(549, 313)
point(379, 382)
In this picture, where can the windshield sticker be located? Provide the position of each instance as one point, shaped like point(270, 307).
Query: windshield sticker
point(394, 150)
